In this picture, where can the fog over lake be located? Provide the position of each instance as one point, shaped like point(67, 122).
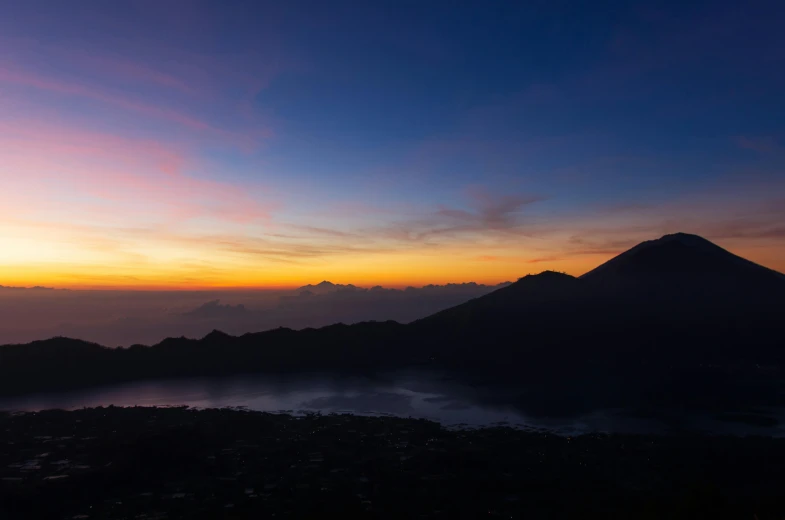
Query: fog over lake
point(416, 394)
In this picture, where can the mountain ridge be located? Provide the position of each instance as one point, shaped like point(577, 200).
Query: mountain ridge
point(642, 334)
point(327, 287)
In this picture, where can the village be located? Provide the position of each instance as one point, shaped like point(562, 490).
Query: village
point(165, 463)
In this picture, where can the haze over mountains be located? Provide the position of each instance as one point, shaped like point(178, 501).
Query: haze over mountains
point(469, 288)
point(123, 318)
point(35, 288)
point(676, 321)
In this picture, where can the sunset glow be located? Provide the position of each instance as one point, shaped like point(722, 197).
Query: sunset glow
point(225, 153)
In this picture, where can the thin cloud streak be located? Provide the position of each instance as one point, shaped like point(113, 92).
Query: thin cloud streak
point(130, 173)
point(26, 79)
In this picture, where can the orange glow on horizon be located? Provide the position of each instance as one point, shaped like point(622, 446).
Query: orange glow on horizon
point(391, 271)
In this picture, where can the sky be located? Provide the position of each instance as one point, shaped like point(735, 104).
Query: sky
point(226, 144)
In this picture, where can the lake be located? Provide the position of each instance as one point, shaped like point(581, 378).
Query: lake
point(408, 394)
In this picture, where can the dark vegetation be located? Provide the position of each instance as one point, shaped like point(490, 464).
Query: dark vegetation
point(673, 322)
point(148, 463)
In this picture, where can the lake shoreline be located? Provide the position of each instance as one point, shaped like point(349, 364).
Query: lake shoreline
point(408, 394)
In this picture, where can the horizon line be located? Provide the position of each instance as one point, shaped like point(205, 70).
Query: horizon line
point(238, 288)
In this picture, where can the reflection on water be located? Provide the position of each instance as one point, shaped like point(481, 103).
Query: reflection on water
point(411, 394)
point(407, 395)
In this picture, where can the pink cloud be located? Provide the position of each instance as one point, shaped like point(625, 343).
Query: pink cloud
point(31, 80)
point(127, 173)
point(50, 140)
point(109, 75)
point(108, 63)
point(248, 141)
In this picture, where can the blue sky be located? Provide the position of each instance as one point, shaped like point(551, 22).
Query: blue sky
point(375, 141)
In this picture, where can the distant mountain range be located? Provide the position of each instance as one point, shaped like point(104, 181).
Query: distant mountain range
point(36, 288)
point(674, 321)
point(326, 287)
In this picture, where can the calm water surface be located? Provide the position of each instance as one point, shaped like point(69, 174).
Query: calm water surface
point(411, 394)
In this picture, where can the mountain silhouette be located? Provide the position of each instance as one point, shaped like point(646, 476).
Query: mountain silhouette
point(325, 287)
point(678, 258)
point(643, 324)
point(36, 288)
point(214, 309)
point(531, 294)
point(663, 276)
point(672, 321)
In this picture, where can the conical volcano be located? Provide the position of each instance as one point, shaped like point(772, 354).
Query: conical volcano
point(680, 258)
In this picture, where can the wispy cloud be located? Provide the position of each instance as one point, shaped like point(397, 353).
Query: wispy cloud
point(189, 103)
point(763, 145)
point(319, 231)
point(27, 79)
point(123, 68)
point(129, 174)
point(485, 214)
